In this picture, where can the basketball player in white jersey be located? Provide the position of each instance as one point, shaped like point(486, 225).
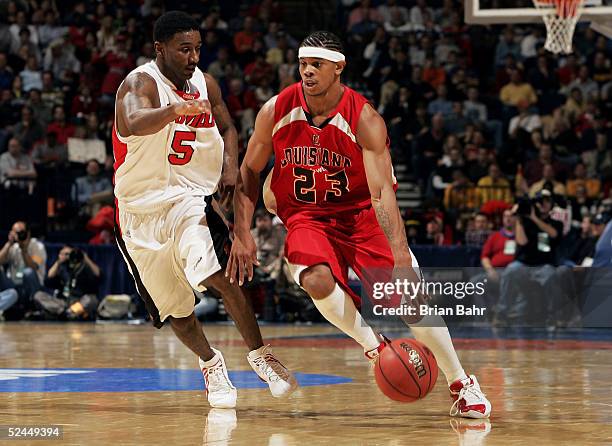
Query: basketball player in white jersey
point(173, 140)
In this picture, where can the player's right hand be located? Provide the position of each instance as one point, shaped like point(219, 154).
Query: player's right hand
point(242, 258)
point(192, 107)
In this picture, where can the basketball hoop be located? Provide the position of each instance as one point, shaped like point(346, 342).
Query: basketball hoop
point(560, 18)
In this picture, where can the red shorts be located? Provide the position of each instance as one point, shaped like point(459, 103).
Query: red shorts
point(355, 241)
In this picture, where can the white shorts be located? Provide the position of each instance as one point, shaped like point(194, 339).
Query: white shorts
point(171, 252)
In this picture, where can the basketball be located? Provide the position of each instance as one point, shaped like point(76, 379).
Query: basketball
point(406, 370)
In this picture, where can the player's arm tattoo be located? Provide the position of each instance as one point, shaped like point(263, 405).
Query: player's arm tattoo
point(384, 220)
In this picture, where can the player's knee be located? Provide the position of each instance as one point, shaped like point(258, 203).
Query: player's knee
point(182, 323)
point(318, 281)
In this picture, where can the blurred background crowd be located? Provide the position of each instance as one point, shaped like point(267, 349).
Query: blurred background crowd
point(490, 134)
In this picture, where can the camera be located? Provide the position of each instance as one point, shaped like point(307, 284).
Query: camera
point(75, 257)
point(524, 206)
point(22, 235)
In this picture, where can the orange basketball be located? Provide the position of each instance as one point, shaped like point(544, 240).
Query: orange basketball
point(406, 370)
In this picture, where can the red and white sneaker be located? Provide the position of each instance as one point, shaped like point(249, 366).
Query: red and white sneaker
point(372, 355)
point(281, 381)
point(469, 400)
point(220, 391)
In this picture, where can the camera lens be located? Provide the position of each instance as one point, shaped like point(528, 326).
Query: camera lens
point(22, 235)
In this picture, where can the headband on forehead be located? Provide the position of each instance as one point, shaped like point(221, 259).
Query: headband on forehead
point(322, 53)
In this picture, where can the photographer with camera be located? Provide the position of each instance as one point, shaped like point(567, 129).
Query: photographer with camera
point(75, 279)
point(532, 276)
point(24, 260)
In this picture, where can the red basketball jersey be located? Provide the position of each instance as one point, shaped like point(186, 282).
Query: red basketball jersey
point(318, 171)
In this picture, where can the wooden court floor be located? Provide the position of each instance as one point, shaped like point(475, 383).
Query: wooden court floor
point(122, 384)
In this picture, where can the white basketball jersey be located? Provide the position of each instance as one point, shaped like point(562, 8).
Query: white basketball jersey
point(185, 157)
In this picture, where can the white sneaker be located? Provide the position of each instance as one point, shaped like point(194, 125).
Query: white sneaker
point(219, 426)
point(269, 369)
point(221, 392)
point(470, 401)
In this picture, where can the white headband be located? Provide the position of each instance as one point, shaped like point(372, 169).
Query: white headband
point(322, 53)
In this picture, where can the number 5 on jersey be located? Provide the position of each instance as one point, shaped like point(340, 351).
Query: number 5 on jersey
point(182, 147)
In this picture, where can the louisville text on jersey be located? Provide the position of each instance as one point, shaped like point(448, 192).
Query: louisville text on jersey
point(314, 156)
point(203, 120)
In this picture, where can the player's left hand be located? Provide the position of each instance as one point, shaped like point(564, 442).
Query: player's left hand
point(412, 276)
point(241, 260)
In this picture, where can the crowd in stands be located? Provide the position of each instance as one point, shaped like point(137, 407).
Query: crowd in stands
point(482, 118)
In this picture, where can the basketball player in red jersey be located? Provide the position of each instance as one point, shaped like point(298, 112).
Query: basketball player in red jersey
point(173, 142)
point(333, 187)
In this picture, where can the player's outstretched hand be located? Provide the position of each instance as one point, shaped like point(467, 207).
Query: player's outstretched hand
point(192, 107)
point(241, 260)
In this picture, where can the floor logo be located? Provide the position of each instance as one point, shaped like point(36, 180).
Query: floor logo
point(134, 380)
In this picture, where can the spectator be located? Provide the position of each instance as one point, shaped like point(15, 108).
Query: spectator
point(50, 153)
point(592, 185)
point(93, 190)
point(583, 248)
point(517, 91)
point(461, 195)
point(270, 241)
point(534, 168)
point(15, 166)
point(500, 247)
point(530, 288)
point(599, 161)
point(548, 181)
point(51, 94)
point(31, 75)
point(74, 279)
point(61, 61)
point(242, 106)
point(567, 72)
point(584, 83)
point(474, 109)
point(478, 230)
point(526, 121)
point(507, 46)
point(386, 11)
point(24, 258)
point(257, 70)
point(245, 39)
point(581, 205)
point(42, 113)
point(224, 67)
point(50, 31)
point(494, 186)
point(60, 126)
point(28, 131)
point(363, 18)
point(118, 63)
point(434, 232)
point(83, 103)
point(478, 167)
point(441, 104)
point(6, 73)
point(419, 13)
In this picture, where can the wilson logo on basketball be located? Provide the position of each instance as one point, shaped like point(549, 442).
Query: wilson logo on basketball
point(203, 120)
point(415, 360)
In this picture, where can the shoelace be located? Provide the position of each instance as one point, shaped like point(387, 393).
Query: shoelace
point(215, 378)
point(465, 391)
point(270, 367)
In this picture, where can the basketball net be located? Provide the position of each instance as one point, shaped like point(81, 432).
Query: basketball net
point(560, 18)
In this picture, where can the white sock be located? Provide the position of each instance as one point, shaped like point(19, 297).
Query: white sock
point(211, 361)
point(339, 309)
point(432, 331)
